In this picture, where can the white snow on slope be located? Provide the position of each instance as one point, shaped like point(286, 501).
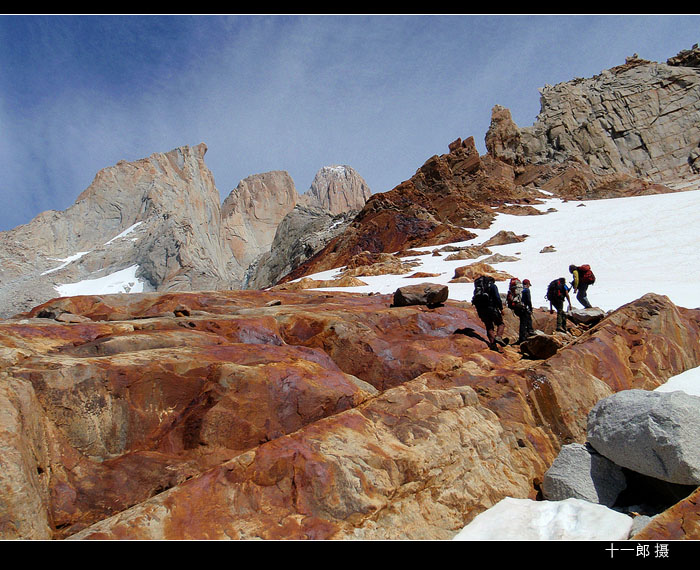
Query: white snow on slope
point(66, 261)
point(636, 245)
point(123, 281)
point(126, 232)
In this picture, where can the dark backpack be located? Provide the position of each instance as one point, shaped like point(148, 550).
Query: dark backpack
point(555, 291)
point(481, 298)
point(585, 275)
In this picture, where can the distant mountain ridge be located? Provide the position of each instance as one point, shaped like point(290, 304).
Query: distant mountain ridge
point(159, 223)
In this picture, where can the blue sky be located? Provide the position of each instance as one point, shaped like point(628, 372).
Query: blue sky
point(379, 93)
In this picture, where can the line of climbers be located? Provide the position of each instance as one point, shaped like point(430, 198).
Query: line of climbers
point(489, 306)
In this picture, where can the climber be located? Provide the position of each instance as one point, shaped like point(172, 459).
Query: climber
point(519, 300)
point(489, 307)
point(557, 292)
point(583, 277)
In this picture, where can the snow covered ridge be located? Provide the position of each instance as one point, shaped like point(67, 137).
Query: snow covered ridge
point(635, 245)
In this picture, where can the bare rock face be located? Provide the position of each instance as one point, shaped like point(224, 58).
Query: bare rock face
point(641, 118)
point(337, 189)
point(157, 218)
point(293, 415)
point(252, 212)
point(302, 232)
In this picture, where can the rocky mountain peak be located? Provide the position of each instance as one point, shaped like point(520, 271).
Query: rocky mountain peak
point(337, 189)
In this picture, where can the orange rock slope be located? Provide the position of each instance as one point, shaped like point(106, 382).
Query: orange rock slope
point(294, 414)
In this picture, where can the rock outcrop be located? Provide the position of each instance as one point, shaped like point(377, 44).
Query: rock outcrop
point(336, 195)
point(302, 233)
point(295, 415)
point(641, 118)
point(447, 194)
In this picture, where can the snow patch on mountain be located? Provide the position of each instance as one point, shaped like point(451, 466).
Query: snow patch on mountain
point(122, 281)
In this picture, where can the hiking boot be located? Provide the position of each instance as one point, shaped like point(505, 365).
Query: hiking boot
point(502, 341)
point(495, 347)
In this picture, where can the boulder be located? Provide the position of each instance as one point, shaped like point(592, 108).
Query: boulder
point(570, 519)
point(469, 273)
point(429, 294)
point(579, 472)
point(587, 317)
point(653, 433)
point(541, 346)
point(503, 238)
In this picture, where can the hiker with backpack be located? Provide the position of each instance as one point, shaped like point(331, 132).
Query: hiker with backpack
point(557, 292)
point(519, 301)
point(583, 277)
point(489, 307)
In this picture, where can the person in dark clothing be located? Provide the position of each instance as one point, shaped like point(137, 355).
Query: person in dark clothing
point(524, 313)
point(557, 292)
point(489, 307)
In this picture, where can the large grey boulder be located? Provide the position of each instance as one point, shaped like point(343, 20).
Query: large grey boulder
point(579, 472)
point(652, 433)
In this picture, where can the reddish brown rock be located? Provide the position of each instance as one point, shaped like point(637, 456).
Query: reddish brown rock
point(428, 294)
point(640, 345)
point(469, 273)
point(295, 414)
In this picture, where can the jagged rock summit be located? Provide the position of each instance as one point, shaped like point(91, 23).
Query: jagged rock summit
point(337, 189)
